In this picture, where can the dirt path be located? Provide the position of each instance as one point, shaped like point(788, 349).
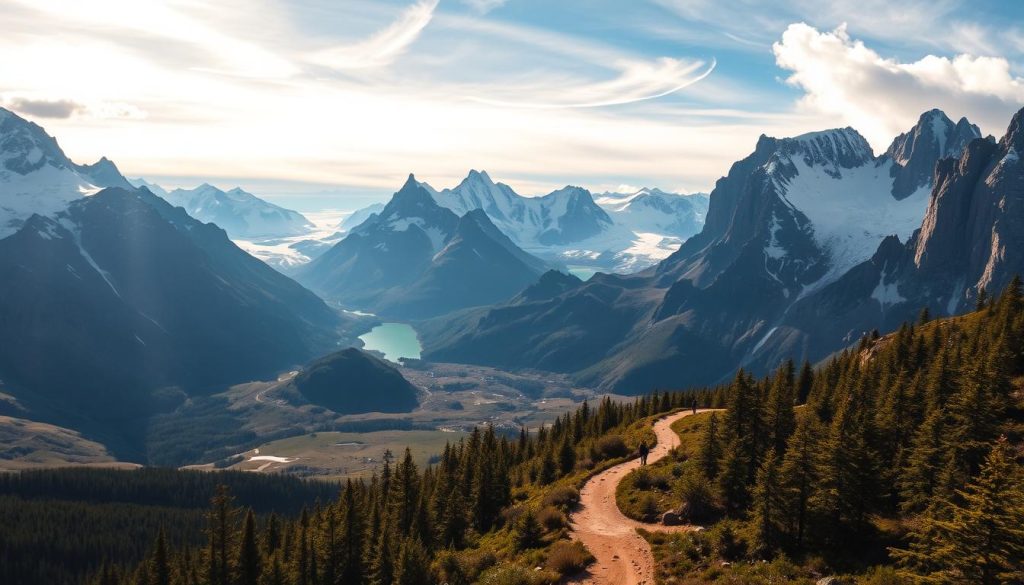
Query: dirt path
point(623, 556)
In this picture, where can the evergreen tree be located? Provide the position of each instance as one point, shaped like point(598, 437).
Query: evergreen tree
point(528, 531)
point(710, 449)
point(566, 455)
point(248, 561)
point(797, 476)
point(159, 563)
point(767, 515)
point(779, 416)
point(412, 566)
point(982, 541)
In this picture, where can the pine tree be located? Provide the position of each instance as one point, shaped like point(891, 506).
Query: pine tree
point(710, 449)
point(779, 416)
point(528, 531)
point(804, 383)
point(412, 566)
point(220, 530)
point(159, 562)
point(248, 561)
point(982, 541)
point(566, 455)
point(797, 476)
point(767, 515)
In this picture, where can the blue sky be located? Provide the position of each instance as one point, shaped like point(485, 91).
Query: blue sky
point(332, 103)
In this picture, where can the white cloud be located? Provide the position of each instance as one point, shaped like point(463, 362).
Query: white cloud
point(881, 97)
point(484, 6)
point(384, 47)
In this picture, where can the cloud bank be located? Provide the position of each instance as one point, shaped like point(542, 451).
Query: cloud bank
point(881, 97)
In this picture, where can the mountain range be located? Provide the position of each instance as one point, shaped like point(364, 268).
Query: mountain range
point(241, 214)
point(785, 230)
point(417, 259)
point(618, 232)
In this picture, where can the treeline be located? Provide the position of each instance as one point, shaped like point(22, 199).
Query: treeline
point(58, 526)
point(918, 428)
point(448, 523)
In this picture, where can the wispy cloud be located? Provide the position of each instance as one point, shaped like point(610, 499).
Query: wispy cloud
point(637, 82)
point(385, 46)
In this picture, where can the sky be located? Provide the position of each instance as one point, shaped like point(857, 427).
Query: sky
point(332, 103)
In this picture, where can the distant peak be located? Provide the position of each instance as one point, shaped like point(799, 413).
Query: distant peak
point(482, 175)
point(411, 181)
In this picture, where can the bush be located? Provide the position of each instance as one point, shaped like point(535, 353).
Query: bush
point(568, 558)
point(551, 518)
point(882, 576)
point(727, 542)
point(563, 497)
point(642, 478)
point(462, 568)
point(528, 531)
point(648, 506)
point(508, 574)
point(697, 496)
point(610, 447)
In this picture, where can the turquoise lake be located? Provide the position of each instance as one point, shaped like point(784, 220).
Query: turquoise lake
point(394, 340)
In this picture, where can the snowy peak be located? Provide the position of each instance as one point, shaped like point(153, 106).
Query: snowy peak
point(25, 147)
point(104, 173)
point(36, 177)
point(915, 152)
point(240, 213)
point(833, 150)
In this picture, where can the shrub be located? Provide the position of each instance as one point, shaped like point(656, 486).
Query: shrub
point(563, 497)
point(568, 558)
point(462, 568)
point(882, 576)
point(551, 518)
point(610, 447)
point(648, 506)
point(528, 531)
point(642, 478)
point(697, 496)
point(508, 574)
point(727, 542)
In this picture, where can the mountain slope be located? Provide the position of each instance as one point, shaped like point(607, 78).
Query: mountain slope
point(792, 218)
point(37, 177)
point(418, 259)
point(122, 294)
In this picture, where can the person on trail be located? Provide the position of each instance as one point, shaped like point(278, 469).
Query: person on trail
point(644, 450)
point(693, 403)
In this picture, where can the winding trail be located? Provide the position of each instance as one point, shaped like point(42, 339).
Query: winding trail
point(622, 556)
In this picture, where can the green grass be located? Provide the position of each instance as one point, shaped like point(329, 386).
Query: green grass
point(333, 455)
point(646, 494)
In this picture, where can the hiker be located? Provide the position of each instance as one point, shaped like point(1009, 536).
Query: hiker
point(693, 403)
point(644, 450)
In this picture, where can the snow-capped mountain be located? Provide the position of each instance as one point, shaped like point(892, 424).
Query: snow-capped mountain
point(971, 238)
point(566, 216)
point(243, 215)
point(567, 226)
point(417, 259)
point(358, 216)
point(651, 210)
point(37, 177)
point(790, 219)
